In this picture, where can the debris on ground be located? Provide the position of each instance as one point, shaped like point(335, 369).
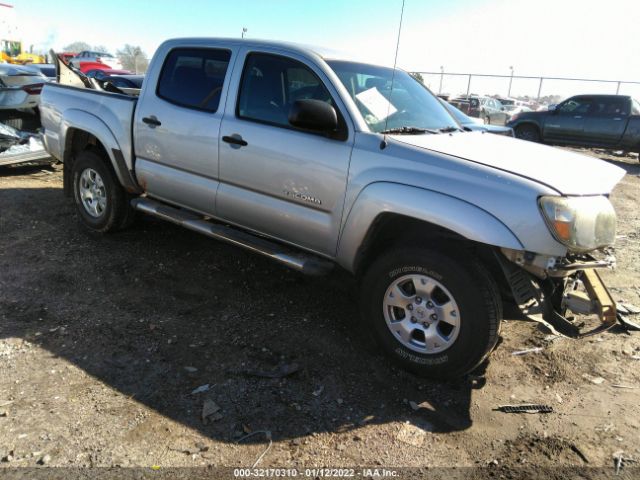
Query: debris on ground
point(627, 323)
point(281, 371)
point(201, 389)
point(210, 411)
point(267, 434)
point(317, 392)
point(525, 408)
point(191, 369)
point(627, 308)
point(528, 350)
point(411, 435)
point(618, 385)
point(44, 460)
point(592, 379)
point(619, 461)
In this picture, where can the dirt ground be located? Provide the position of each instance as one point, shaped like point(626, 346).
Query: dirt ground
point(103, 340)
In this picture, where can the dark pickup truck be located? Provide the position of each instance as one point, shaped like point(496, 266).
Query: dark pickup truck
point(606, 121)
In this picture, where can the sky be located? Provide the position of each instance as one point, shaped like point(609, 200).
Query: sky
point(560, 38)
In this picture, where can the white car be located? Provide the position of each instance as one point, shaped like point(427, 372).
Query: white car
point(96, 57)
point(20, 87)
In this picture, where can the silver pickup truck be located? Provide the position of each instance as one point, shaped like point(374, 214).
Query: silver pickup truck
point(317, 161)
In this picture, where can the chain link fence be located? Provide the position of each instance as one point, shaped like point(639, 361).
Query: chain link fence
point(532, 87)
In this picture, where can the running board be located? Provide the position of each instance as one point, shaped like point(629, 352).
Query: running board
point(306, 263)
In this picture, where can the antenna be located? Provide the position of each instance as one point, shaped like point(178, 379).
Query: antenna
point(383, 144)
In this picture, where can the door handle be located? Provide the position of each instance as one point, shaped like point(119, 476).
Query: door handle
point(617, 119)
point(578, 116)
point(152, 121)
point(235, 140)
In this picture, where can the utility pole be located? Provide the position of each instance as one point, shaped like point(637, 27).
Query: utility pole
point(441, 75)
point(244, 30)
point(510, 82)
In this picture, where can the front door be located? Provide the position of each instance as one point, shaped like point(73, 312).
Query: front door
point(276, 179)
point(566, 123)
point(176, 127)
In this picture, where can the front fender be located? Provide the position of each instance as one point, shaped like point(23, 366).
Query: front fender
point(84, 121)
point(430, 206)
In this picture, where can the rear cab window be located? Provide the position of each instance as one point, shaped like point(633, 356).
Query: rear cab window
point(194, 77)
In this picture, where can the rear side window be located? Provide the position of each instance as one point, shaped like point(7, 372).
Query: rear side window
point(193, 77)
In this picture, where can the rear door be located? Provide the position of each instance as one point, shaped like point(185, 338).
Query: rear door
point(607, 120)
point(566, 123)
point(276, 179)
point(177, 125)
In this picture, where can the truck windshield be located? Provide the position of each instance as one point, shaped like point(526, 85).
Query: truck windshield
point(410, 104)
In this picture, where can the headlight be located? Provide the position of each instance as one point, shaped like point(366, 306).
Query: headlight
point(581, 223)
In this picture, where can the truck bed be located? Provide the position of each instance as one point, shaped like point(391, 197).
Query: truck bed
point(99, 110)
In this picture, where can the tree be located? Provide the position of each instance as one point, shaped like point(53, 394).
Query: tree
point(133, 58)
point(76, 47)
point(100, 48)
point(417, 76)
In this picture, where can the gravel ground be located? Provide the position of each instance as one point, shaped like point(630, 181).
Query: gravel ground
point(152, 348)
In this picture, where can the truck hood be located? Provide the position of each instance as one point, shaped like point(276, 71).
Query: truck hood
point(567, 172)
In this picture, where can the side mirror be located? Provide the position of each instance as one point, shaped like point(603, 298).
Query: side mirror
point(552, 107)
point(313, 115)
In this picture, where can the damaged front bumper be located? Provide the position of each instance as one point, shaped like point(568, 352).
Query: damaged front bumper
point(548, 289)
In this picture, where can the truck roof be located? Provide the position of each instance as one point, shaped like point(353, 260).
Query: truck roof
point(306, 50)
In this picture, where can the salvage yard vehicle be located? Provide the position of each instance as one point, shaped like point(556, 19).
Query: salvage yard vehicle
point(605, 121)
point(475, 124)
point(18, 147)
point(89, 57)
point(316, 161)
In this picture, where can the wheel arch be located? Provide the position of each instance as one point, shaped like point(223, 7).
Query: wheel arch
point(384, 209)
point(82, 131)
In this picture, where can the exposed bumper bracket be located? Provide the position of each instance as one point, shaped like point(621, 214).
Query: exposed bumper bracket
point(535, 300)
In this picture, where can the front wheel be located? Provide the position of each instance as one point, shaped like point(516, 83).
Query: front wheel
point(528, 132)
point(436, 316)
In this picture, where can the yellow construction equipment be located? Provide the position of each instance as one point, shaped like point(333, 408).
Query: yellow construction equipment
point(11, 52)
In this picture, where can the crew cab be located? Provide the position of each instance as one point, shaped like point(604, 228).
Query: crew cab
point(606, 121)
point(317, 161)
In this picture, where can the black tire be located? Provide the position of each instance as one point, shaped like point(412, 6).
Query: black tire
point(528, 132)
point(117, 213)
point(474, 292)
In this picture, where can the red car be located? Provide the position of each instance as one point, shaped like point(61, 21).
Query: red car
point(104, 72)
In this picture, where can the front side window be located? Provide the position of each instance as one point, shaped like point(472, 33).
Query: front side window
point(270, 86)
point(193, 77)
point(576, 106)
point(408, 104)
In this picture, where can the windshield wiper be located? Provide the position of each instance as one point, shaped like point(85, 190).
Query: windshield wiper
point(449, 129)
point(407, 131)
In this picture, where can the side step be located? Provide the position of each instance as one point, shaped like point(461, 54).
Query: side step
point(306, 263)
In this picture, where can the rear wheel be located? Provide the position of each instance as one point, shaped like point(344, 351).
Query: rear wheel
point(102, 203)
point(434, 315)
point(528, 132)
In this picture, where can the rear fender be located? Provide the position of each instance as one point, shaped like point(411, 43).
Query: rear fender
point(84, 121)
point(436, 208)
